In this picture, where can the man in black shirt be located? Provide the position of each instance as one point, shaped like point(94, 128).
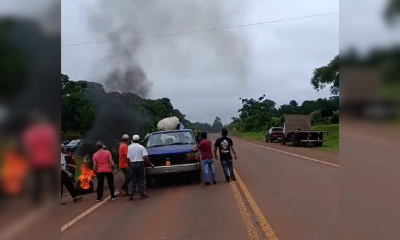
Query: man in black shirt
point(225, 147)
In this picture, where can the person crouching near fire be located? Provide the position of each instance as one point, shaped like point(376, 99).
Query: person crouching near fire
point(102, 161)
point(137, 156)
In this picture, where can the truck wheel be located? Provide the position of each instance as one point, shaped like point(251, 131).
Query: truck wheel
point(294, 142)
point(149, 182)
point(318, 144)
point(270, 140)
point(266, 139)
point(283, 141)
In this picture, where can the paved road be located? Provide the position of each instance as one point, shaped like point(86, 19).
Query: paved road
point(369, 182)
point(296, 198)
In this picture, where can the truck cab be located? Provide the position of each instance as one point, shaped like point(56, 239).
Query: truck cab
point(171, 153)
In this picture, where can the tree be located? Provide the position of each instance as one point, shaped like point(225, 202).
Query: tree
point(261, 114)
point(327, 75)
point(217, 125)
point(392, 11)
point(256, 114)
point(78, 114)
point(89, 111)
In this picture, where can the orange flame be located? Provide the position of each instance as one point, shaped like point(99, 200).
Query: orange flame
point(12, 172)
point(85, 177)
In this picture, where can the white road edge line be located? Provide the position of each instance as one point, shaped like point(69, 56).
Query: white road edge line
point(291, 154)
point(85, 213)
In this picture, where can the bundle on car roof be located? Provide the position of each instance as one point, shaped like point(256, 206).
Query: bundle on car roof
point(169, 123)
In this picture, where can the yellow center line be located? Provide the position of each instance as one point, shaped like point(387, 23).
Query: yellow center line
point(266, 228)
point(251, 230)
point(261, 219)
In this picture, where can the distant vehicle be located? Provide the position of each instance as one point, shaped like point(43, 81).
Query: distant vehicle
point(73, 145)
point(171, 153)
point(274, 134)
point(297, 130)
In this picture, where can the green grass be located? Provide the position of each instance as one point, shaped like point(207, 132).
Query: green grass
point(391, 91)
point(250, 135)
point(331, 140)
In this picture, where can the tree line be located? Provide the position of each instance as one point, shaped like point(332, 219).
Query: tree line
point(90, 111)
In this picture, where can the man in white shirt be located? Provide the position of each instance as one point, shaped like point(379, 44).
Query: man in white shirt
point(137, 156)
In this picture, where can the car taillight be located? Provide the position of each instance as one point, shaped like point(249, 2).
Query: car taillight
point(191, 156)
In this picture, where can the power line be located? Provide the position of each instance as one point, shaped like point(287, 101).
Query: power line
point(209, 30)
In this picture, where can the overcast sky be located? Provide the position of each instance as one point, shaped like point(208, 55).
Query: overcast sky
point(204, 74)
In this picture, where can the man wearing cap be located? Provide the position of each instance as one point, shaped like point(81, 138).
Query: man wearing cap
point(137, 155)
point(123, 163)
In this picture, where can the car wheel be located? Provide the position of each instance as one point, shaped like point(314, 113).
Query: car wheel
point(197, 177)
point(149, 182)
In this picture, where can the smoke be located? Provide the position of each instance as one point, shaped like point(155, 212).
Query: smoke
point(124, 23)
point(215, 54)
point(115, 116)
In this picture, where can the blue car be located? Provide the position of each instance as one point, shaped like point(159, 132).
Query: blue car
point(171, 153)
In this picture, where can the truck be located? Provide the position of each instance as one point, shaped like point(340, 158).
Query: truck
point(297, 130)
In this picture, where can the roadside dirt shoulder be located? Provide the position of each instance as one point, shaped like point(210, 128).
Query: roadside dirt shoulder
point(311, 152)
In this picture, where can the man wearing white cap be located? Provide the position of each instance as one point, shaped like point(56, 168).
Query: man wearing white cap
point(123, 164)
point(137, 155)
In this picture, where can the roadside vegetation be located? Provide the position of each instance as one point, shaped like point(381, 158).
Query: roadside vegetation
point(331, 138)
point(256, 116)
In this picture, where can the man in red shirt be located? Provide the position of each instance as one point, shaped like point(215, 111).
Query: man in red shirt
point(207, 162)
point(123, 163)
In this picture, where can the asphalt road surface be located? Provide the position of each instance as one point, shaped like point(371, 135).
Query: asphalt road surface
point(277, 196)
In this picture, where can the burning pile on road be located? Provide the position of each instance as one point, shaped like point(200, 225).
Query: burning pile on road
point(84, 180)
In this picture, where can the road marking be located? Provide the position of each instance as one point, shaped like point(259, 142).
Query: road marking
point(261, 220)
point(85, 213)
point(291, 154)
point(251, 230)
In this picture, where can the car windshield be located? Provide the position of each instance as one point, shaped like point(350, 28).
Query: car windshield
point(170, 138)
point(277, 130)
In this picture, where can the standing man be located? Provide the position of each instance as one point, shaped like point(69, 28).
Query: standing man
point(123, 163)
point(137, 155)
point(207, 161)
point(40, 146)
point(225, 145)
point(66, 179)
point(102, 161)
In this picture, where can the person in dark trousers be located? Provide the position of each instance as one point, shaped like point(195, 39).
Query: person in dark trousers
point(137, 156)
point(225, 146)
point(207, 161)
point(40, 146)
point(102, 161)
point(123, 163)
point(66, 180)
